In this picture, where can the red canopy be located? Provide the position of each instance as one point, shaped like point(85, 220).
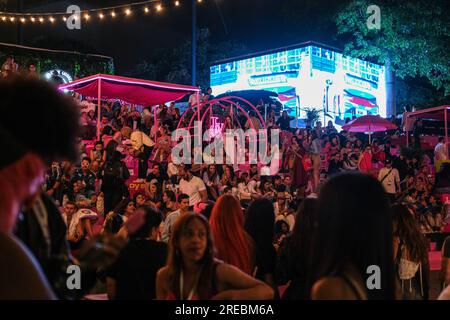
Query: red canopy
point(136, 91)
point(370, 124)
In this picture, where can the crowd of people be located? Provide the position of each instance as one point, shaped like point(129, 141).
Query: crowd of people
point(338, 205)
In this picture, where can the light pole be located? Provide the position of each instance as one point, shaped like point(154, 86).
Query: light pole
point(194, 43)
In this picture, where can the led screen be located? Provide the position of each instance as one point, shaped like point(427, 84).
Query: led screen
point(309, 77)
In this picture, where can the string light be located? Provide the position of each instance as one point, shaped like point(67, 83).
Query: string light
point(199, 1)
point(86, 15)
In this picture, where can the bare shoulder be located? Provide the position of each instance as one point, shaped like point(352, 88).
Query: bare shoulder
point(163, 273)
point(332, 288)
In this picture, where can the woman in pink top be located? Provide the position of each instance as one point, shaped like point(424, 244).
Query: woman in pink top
point(192, 273)
point(365, 160)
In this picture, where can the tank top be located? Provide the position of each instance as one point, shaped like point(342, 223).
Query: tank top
point(193, 295)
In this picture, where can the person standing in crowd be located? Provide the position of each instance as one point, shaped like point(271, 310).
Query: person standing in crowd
point(390, 179)
point(295, 252)
point(233, 244)
point(133, 275)
point(259, 223)
point(284, 121)
point(192, 273)
point(440, 153)
point(183, 208)
point(192, 186)
point(365, 160)
point(354, 232)
point(316, 149)
point(114, 176)
point(253, 122)
point(142, 146)
point(411, 255)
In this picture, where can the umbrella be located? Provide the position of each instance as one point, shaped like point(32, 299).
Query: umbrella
point(369, 124)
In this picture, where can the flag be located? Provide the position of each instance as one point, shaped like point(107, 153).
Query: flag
point(287, 95)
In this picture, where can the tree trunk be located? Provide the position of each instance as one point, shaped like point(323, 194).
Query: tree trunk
point(390, 90)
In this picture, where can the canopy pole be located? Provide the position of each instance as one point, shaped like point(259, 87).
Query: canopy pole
point(99, 111)
point(155, 120)
point(446, 133)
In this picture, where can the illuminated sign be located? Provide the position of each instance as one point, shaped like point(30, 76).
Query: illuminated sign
point(338, 86)
point(58, 76)
point(216, 127)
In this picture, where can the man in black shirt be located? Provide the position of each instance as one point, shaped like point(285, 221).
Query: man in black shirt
point(284, 121)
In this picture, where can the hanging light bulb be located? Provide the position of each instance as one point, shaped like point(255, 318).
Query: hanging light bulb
point(87, 16)
point(113, 14)
point(12, 19)
point(147, 10)
point(159, 7)
point(23, 20)
point(64, 19)
point(51, 19)
point(128, 12)
point(199, 1)
point(101, 15)
point(177, 3)
point(41, 20)
point(32, 19)
point(3, 18)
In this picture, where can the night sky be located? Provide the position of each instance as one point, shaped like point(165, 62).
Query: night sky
point(259, 24)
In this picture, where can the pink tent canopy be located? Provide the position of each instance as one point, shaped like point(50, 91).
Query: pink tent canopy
point(135, 91)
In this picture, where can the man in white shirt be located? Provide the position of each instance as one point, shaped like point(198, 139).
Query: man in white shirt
point(183, 200)
point(390, 179)
point(440, 153)
point(191, 185)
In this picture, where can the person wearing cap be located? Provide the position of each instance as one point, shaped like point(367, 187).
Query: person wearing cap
point(390, 179)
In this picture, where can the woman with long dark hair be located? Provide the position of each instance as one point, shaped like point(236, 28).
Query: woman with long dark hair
point(294, 254)
point(411, 258)
point(192, 273)
point(233, 244)
point(260, 225)
point(353, 242)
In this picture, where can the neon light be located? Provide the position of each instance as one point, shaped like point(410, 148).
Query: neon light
point(216, 127)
